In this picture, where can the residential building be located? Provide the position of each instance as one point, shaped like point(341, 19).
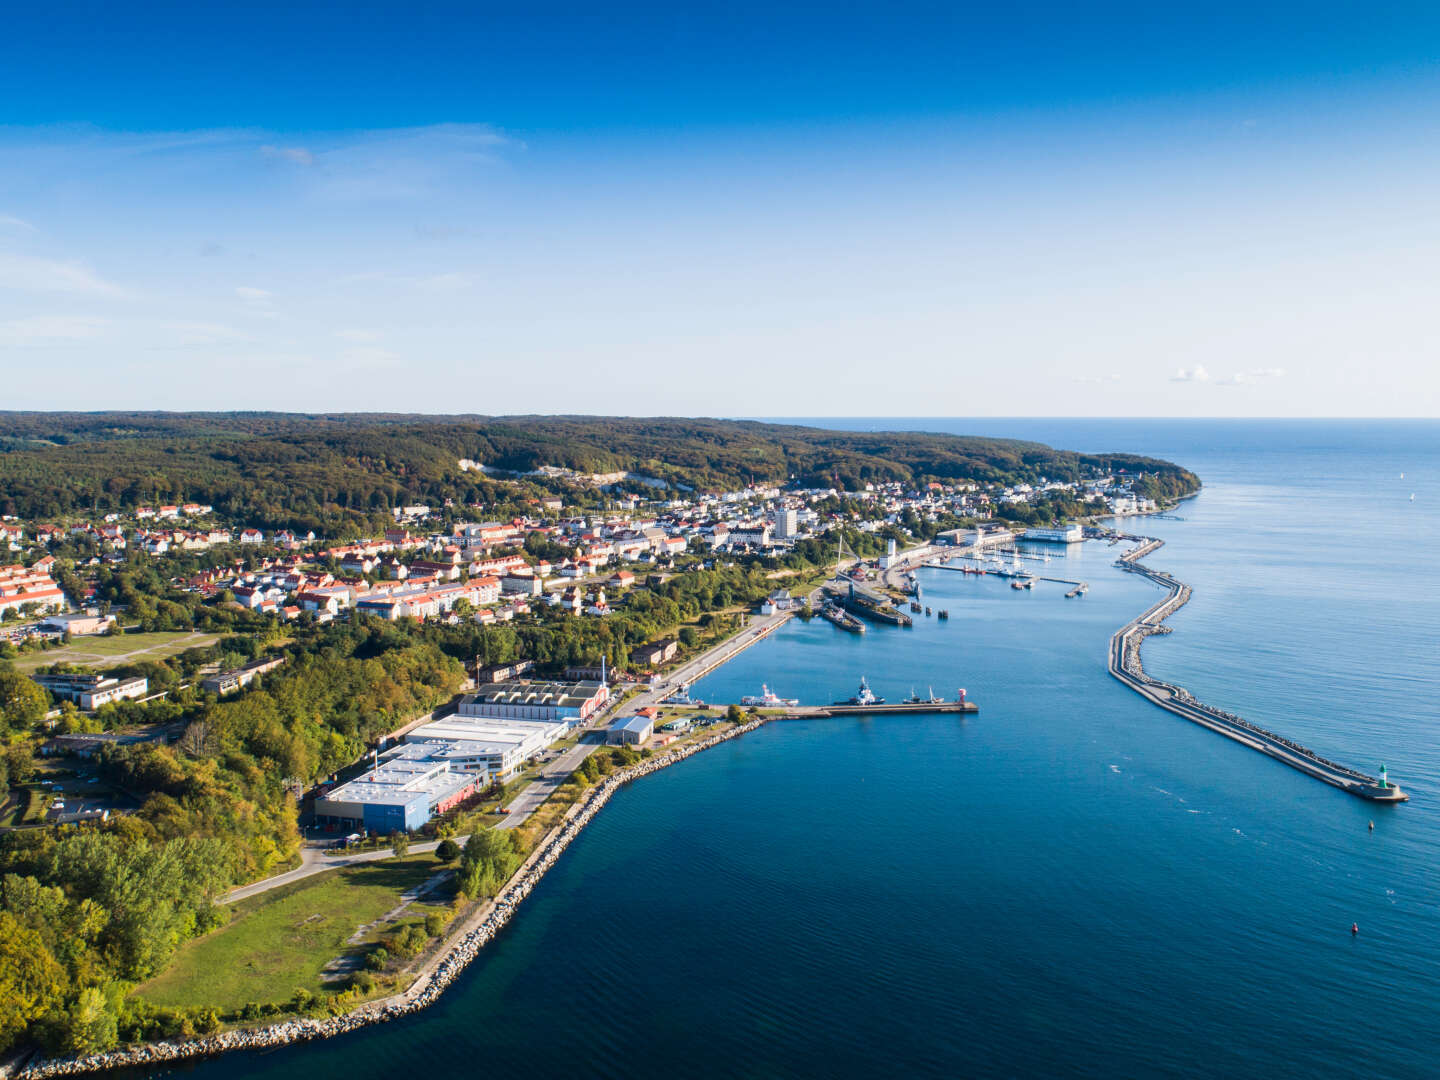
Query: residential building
point(92, 691)
point(227, 682)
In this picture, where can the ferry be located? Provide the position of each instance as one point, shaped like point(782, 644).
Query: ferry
point(863, 696)
point(766, 699)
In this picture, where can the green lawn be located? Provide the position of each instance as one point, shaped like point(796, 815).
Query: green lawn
point(108, 650)
point(281, 940)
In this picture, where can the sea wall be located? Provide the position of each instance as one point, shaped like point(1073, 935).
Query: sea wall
point(437, 973)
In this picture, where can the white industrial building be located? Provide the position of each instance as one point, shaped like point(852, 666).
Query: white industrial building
point(477, 744)
point(1070, 534)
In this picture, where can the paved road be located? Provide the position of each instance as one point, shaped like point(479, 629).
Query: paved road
point(314, 861)
point(550, 778)
point(757, 628)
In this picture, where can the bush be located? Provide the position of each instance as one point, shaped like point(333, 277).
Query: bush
point(377, 958)
point(434, 924)
point(251, 1011)
point(448, 851)
point(734, 715)
point(362, 981)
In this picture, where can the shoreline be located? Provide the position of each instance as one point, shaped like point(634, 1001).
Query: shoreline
point(460, 948)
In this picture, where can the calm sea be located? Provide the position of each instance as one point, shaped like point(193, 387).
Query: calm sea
point(1071, 882)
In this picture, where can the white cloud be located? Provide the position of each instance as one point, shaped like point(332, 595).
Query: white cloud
point(1254, 375)
point(252, 294)
point(1195, 374)
point(32, 274)
point(10, 222)
point(49, 329)
point(298, 155)
point(1097, 379)
point(358, 337)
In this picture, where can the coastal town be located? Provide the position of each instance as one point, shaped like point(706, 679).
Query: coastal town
point(542, 646)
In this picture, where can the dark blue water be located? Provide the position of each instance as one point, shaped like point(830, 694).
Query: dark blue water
point(1071, 882)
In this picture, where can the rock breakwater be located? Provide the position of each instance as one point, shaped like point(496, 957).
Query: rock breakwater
point(436, 974)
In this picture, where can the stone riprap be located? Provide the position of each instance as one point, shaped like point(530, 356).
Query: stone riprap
point(438, 973)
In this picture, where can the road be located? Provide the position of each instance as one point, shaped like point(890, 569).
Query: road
point(313, 860)
point(759, 627)
point(550, 778)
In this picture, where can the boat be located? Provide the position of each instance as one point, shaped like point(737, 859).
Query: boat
point(943, 613)
point(863, 696)
point(927, 610)
point(767, 699)
point(841, 619)
point(916, 699)
point(682, 697)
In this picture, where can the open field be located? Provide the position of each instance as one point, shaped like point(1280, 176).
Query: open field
point(281, 940)
point(110, 650)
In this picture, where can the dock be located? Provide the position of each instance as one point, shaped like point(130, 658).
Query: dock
point(817, 712)
point(1125, 665)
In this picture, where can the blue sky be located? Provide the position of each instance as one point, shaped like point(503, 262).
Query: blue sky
point(1047, 209)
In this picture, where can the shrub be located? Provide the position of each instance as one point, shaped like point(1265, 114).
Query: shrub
point(448, 851)
point(377, 958)
point(251, 1011)
point(434, 924)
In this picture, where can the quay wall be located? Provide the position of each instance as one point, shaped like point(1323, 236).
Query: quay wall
point(439, 972)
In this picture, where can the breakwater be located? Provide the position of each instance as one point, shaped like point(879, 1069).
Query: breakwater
point(1125, 665)
point(437, 973)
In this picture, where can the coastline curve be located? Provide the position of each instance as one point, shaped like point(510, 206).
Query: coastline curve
point(462, 947)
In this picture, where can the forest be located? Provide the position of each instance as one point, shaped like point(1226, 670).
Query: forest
point(337, 473)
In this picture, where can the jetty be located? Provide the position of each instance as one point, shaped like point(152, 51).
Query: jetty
point(1125, 665)
point(899, 708)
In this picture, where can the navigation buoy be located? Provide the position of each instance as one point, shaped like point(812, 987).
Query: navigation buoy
point(1354, 928)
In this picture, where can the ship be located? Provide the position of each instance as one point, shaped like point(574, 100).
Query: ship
point(682, 697)
point(863, 696)
point(839, 618)
point(858, 603)
point(766, 699)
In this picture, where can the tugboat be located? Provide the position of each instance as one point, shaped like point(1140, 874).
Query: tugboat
point(863, 696)
point(766, 699)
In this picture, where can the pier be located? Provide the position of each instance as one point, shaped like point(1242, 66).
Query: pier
point(1125, 665)
point(902, 708)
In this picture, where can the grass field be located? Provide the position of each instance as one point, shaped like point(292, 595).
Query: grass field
point(281, 940)
point(108, 650)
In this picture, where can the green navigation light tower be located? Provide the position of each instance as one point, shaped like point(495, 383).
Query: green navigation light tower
point(1384, 782)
